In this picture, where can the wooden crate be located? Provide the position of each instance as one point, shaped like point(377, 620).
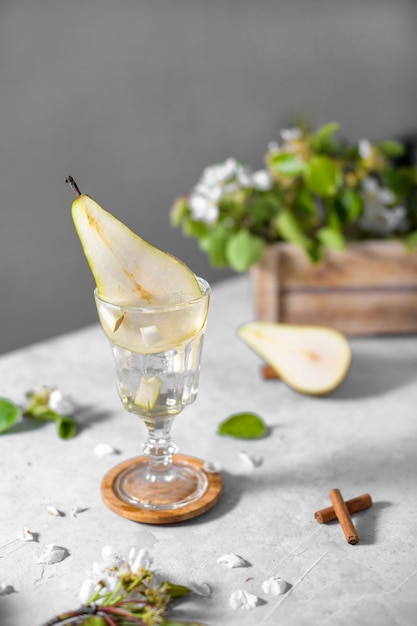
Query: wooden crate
point(370, 288)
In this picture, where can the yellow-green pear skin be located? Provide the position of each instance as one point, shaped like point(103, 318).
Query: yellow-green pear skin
point(313, 360)
point(127, 269)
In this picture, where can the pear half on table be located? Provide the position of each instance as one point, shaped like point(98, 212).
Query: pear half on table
point(313, 360)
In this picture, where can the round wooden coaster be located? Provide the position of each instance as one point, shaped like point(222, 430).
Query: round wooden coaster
point(148, 516)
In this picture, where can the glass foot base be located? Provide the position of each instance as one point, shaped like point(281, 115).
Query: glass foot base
point(161, 491)
point(205, 493)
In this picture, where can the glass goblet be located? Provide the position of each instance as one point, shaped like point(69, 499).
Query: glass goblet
point(156, 354)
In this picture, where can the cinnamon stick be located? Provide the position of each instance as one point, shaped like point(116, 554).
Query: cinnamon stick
point(353, 506)
point(343, 516)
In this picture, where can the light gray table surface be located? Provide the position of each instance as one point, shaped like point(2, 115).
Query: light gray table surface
point(361, 438)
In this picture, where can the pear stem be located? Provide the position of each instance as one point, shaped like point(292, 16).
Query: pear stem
point(71, 182)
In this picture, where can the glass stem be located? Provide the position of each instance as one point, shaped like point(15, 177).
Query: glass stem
point(159, 448)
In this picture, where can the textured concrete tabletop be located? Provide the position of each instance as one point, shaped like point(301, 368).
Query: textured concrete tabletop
point(361, 438)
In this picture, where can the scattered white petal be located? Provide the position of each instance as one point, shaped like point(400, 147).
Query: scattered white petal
point(110, 557)
point(250, 460)
point(141, 559)
point(87, 589)
point(243, 600)
point(76, 510)
point(52, 554)
point(212, 467)
point(5, 589)
point(52, 510)
point(232, 560)
point(200, 588)
point(25, 534)
point(104, 449)
point(275, 586)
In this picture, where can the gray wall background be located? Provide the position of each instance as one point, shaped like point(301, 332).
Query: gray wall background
point(135, 97)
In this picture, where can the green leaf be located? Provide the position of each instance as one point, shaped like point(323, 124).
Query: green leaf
point(410, 241)
point(349, 204)
point(179, 211)
point(243, 426)
point(191, 228)
point(323, 176)
point(66, 426)
point(286, 163)
point(214, 244)
point(391, 149)
point(263, 207)
point(290, 230)
point(331, 238)
point(243, 250)
point(9, 414)
point(94, 620)
point(175, 591)
point(40, 412)
point(305, 201)
point(323, 138)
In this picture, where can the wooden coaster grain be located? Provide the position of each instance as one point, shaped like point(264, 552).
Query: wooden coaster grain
point(148, 516)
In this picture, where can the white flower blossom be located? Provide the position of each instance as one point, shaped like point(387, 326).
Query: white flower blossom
point(290, 134)
point(88, 588)
point(244, 176)
point(218, 181)
point(203, 208)
point(60, 403)
point(379, 216)
point(273, 146)
point(106, 574)
point(220, 173)
point(139, 559)
point(365, 148)
point(373, 191)
point(379, 220)
point(213, 193)
point(262, 180)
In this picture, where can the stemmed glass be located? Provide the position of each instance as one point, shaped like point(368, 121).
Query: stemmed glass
point(156, 354)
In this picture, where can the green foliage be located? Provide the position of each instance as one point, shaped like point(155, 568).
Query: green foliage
point(38, 410)
point(66, 426)
point(243, 250)
point(291, 229)
point(135, 599)
point(323, 176)
point(9, 414)
point(243, 426)
point(316, 192)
